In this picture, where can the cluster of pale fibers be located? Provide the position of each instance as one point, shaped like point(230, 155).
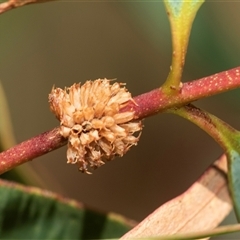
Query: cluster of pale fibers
point(90, 118)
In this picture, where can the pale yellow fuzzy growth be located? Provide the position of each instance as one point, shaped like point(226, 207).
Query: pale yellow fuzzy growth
point(90, 119)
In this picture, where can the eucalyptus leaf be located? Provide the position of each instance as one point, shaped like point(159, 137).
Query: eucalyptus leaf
point(234, 177)
point(200, 235)
point(31, 213)
point(183, 7)
point(227, 137)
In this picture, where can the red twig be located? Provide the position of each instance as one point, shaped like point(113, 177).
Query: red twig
point(157, 101)
point(144, 105)
point(30, 149)
point(6, 6)
point(11, 4)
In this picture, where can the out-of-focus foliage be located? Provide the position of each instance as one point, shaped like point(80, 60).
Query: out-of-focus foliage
point(23, 174)
point(31, 213)
point(6, 133)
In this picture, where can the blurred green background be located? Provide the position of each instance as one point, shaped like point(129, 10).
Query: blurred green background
point(59, 43)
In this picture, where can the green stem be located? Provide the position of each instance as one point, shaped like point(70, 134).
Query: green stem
point(227, 137)
point(220, 131)
point(181, 15)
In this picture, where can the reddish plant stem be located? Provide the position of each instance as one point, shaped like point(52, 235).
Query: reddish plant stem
point(144, 105)
point(6, 6)
point(31, 149)
point(155, 101)
point(11, 4)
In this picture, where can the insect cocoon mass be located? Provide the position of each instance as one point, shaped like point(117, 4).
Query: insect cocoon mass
point(90, 117)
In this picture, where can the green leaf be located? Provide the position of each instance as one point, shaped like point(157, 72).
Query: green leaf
point(227, 137)
point(183, 7)
point(31, 213)
point(234, 177)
